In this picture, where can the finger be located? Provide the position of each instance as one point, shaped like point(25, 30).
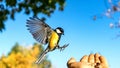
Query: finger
point(70, 61)
point(84, 59)
point(103, 60)
point(97, 60)
point(91, 58)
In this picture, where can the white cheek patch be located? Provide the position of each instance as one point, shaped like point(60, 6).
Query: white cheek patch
point(58, 31)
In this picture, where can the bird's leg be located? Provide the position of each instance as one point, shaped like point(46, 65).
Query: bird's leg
point(62, 47)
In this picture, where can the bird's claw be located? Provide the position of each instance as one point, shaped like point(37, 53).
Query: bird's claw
point(63, 47)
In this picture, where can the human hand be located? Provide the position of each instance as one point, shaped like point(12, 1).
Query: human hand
point(91, 61)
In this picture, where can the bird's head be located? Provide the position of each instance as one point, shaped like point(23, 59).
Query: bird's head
point(59, 30)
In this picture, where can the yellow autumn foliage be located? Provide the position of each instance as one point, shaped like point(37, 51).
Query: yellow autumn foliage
point(23, 57)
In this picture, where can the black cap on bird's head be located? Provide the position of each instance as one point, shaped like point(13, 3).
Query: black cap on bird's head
point(59, 30)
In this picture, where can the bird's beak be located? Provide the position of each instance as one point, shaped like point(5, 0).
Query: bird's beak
point(63, 33)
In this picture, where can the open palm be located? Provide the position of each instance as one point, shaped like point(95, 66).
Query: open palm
point(91, 61)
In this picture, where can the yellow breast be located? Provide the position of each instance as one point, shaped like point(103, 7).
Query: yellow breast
point(53, 40)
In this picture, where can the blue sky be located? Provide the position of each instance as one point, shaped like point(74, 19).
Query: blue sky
point(84, 35)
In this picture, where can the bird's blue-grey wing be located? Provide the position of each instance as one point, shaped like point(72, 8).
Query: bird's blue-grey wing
point(39, 29)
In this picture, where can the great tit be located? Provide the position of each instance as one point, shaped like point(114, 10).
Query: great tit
point(44, 34)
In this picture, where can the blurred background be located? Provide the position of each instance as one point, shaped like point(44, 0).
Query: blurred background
point(90, 26)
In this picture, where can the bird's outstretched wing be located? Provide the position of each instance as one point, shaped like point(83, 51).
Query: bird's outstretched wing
point(39, 29)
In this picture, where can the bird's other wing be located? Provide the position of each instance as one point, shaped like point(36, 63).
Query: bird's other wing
point(39, 29)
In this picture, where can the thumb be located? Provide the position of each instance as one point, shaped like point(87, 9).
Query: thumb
point(71, 60)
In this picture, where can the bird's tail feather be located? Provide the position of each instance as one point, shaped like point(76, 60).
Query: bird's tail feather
point(42, 56)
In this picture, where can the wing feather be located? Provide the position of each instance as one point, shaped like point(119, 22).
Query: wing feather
point(39, 29)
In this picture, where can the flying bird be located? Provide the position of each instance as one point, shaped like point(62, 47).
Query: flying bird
point(44, 34)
